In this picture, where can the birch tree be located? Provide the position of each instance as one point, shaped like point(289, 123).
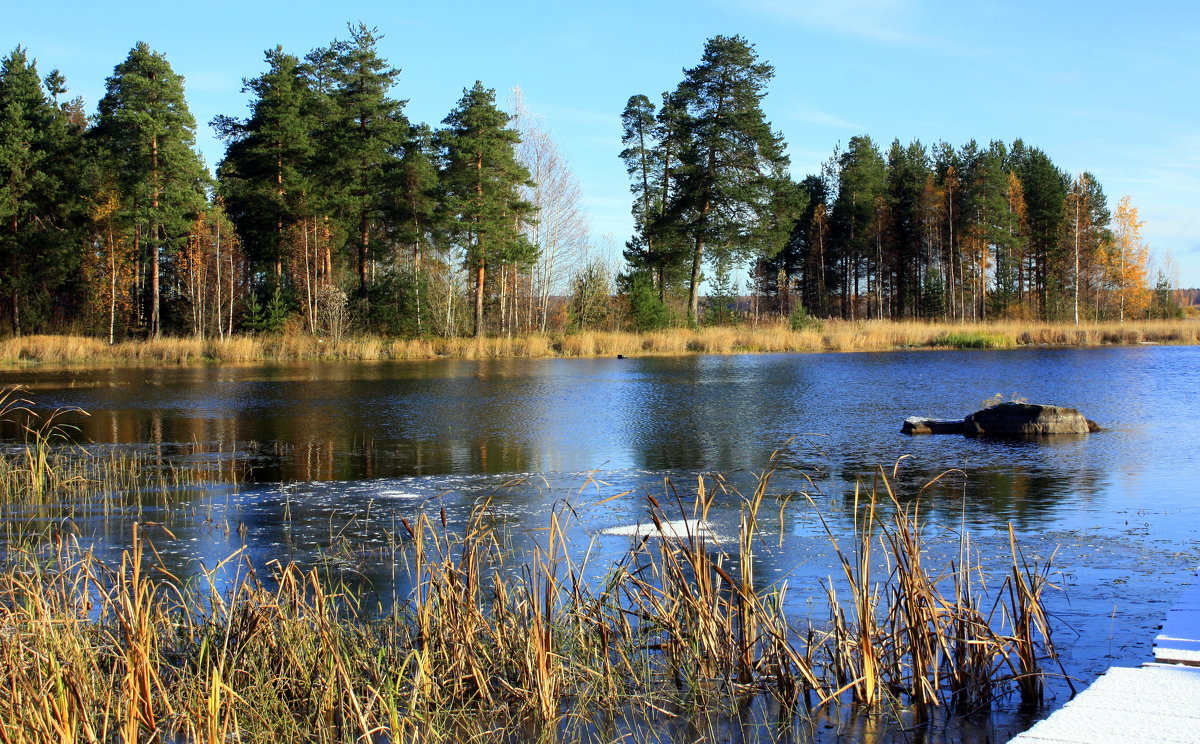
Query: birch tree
point(560, 232)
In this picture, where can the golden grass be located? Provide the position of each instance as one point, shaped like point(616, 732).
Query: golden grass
point(833, 335)
point(490, 640)
point(491, 643)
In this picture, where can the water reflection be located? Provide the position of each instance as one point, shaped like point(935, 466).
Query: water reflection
point(321, 463)
point(350, 421)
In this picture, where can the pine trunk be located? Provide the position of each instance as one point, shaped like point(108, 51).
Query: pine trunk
point(364, 227)
point(694, 288)
point(480, 275)
point(156, 237)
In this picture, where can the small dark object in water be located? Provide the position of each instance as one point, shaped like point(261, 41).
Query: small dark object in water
point(620, 356)
point(1008, 420)
point(917, 425)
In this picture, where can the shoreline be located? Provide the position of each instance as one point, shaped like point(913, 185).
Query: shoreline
point(71, 351)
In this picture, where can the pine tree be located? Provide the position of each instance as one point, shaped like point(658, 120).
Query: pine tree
point(991, 230)
point(1086, 236)
point(1011, 254)
point(482, 179)
point(364, 135)
point(413, 212)
point(651, 156)
point(265, 173)
point(1044, 187)
point(907, 173)
point(147, 138)
point(732, 166)
point(799, 259)
point(855, 217)
point(41, 215)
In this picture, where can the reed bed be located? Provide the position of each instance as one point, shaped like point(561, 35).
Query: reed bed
point(497, 644)
point(832, 335)
point(47, 476)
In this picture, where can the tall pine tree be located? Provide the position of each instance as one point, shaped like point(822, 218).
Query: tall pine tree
point(265, 173)
point(855, 222)
point(1044, 187)
point(651, 156)
point(364, 135)
point(147, 136)
point(732, 166)
point(41, 213)
point(482, 180)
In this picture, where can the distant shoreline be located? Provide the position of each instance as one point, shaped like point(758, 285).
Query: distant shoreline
point(824, 336)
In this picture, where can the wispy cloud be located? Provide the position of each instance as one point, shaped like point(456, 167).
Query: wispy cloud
point(886, 21)
point(825, 119)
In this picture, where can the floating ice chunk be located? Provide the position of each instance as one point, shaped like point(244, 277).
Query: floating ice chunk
point(397, 495)
point(679, 528)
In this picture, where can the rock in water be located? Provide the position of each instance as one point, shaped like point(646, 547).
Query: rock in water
point(916, 425)
point(1026, 419)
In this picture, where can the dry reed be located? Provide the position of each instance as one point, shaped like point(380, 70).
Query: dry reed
point(492, 644)
point(833, 335)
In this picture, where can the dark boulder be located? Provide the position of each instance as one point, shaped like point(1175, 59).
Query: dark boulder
point(916, 425)
point(1026, 420)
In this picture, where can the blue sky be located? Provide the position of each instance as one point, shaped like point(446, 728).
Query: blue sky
point(1112, 88)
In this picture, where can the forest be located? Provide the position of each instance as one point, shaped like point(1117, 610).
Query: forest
point(332, 213)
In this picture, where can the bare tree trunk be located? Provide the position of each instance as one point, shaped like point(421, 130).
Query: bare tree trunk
point(1078, 219)
point(219, 306)
point(449, 304)
point(417, 276)
point(112, 286)
point(694, 286)
point(364, 229)
point(504, 329)
point(480, 275)
point(232, 279)
point(310, 273)
point(155, 232)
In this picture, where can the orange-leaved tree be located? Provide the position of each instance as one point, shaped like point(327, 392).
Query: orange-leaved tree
point(1127, 262)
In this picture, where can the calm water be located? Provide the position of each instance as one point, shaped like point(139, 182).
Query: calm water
point(315, 454)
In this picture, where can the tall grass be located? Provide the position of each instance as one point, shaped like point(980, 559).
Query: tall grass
point(833, 335)
point(49, 476)
point(495, 644)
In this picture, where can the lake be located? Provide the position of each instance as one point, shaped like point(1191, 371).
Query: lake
point(307, 457)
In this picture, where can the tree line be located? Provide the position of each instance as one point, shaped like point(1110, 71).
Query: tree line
point(954, 233)
point(330, 211)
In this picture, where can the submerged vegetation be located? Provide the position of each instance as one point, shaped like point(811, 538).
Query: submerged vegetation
point(874, 335)
point(495, 639)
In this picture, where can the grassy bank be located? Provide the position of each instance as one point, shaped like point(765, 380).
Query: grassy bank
point(873, 335)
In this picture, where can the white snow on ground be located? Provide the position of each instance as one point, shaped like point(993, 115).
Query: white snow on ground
point(1152, 703)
